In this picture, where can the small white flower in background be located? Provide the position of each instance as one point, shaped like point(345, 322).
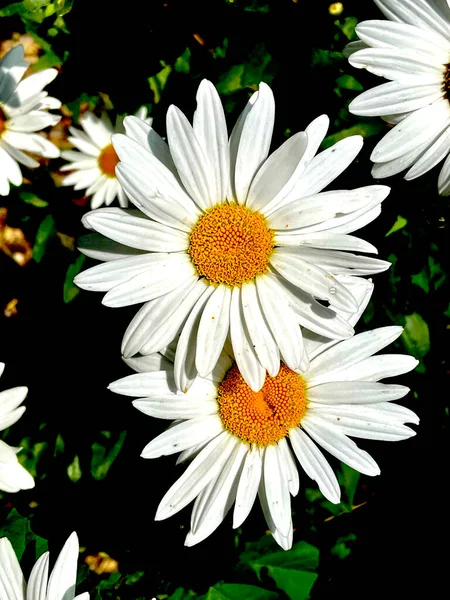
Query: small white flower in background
point(13, 477)
point(412, 50)
point(243, 443)
point(59, 586)
point(23, 111)
point(94, 162)
point(231, 241)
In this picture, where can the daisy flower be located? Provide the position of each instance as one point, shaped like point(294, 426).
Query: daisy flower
point(244, 443)
point(59, 586)
point(23, 112)
point(94, 161)
point(229, 241)
point(412, 51)
point(13, 477)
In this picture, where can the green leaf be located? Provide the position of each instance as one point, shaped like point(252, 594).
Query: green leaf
point(348, 82)
point(364, 129)
point(292, 571)
point(238, 591)
point(348, 479)
point(183, 62)
point(158, 82)
point(348, 27)
point(30, 198)
point(70, 290)
point(325, 58)
point(75, 106)
point(231, 81)
point(18, 530)
point(399, 224)
point(416, 335)
point(102, 458)
point(74, 470)
point(46, 231)
point(258, 67)
point(182, 594)
point(421, 279)
point(342, 548)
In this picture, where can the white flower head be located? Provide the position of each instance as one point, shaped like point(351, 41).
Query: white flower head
point(13, 477)
point(23, 111)
point(244, 443)
point(229, 241)
point(94, 161)
point(59, 586)
point(412, 51)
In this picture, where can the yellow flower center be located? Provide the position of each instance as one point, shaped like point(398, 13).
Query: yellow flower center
point(2, 121)
point(231, 244)
point(446, 82)
point(263, 417)
point(108, 160)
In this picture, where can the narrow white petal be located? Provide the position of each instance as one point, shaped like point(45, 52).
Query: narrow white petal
point(96, 129)
point(164, 274)
point(185, 435)
point(99, 247)
point(193, 166)
point(12, 581)
point(205, 467)
point(210, 129)
point(248, 486)
point(421, 13)
point(341, 262)
point(355, 392)
point(262, 339)
point(61, 584)
point(290, 467)
point(327, 241)
point(375, 368)
point(398, 63)
point(213, 330)
point(156, 383)
point(350, 352)
point(254, 142)
point(281, 320)
point(444, 178)
point(146, 136)
point(244, 353)
point(339, 445)
point(285, 541)
point(184, 366)
point(37, 583)
point(431, 157)
point(277, 492)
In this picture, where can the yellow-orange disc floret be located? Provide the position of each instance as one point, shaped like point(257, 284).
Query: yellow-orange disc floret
point(263, 417)
point(108, 160)
point(446, 82)
point(231, 244)
point(2, 120)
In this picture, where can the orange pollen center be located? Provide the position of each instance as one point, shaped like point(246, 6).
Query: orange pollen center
point(231, 244)
point(2, 120)
point(263, 417)
point(108, 160)
point(446, 82)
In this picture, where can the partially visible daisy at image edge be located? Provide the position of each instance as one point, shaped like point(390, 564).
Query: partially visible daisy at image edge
point(60, 585)
point(93, 162)
point(229, 240)
point(412, 50)
point(24, 110)
point(243, 444)
point(13, 477)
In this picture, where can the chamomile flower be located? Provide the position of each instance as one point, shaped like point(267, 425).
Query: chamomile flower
point(59, 586)
point(93, 163)
point(412, 51)
point(229, 241)
point(245, 444)
point(23, 111)
point(13, 477)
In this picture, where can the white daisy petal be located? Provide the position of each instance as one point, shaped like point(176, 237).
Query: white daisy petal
point(398, 65)
point(147, 137)
point(248, 486)
point(101, 248)
point(185, 435)
point(251, 142)
point(213, 330)
point(431, 157)
point(444, 178)
point(62, 581)
point(12, 581)
point(34, 120)
point(285, 541)
point(210, 129)
point(159, 383)
point(276, 487)
point(96, 130)
point(375, 368)
point(339, 445)
point(290, 467)
point(132, 228)
point(355, 392)
point(328, 241)
point(19, 156)
point(184, 366)
point(244, 352)
point(148, 363)
point(420, 13)
point(262, 339)
point(192, 164)
point(206, 466)
point(31, 142)
point(37, 585)
point(281, 320)
point(162, 275)
point(315, 465)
